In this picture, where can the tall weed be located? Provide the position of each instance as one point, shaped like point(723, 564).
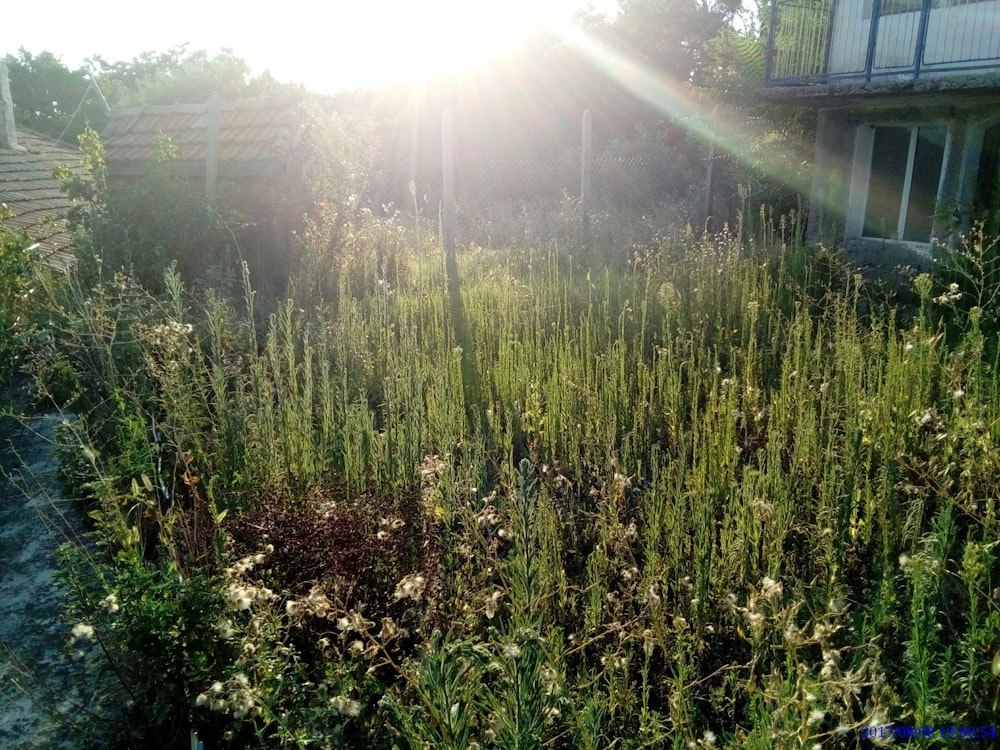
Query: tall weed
point(708, 503)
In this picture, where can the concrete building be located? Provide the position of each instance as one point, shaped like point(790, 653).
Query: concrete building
point(908, 131)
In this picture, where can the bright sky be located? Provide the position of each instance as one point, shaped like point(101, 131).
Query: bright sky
point(327, 46)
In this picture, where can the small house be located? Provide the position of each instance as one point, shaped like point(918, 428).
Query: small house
point(908, 130)
point(245, 157)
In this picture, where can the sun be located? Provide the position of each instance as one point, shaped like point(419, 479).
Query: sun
point(395, 41)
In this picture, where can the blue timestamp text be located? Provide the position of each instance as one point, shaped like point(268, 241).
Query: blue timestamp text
point(940, 731)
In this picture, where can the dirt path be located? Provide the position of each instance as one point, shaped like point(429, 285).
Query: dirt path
point(40, 684)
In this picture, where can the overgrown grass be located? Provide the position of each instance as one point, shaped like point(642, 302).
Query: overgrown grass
point(699, 501)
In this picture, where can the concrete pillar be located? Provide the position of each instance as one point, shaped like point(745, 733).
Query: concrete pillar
point(831, 172)
point(8, 133)
point(212, 117)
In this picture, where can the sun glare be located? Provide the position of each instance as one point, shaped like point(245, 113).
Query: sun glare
point(329, 47)
point(398, 41)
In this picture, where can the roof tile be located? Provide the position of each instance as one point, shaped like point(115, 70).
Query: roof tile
point(30, 189)
point(249, 132)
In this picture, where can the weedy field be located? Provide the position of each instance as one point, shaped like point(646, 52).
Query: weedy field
point(719, 493)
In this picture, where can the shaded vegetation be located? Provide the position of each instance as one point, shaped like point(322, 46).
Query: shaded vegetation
point(19, 263)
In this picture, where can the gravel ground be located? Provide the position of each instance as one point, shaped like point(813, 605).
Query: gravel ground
point(42, 688)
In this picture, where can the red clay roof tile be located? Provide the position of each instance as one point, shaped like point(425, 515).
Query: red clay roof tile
point(30, 189)
point(249, 132)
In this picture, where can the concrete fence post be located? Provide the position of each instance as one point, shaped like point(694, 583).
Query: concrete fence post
point(586, 170)
point(448, 194)
point(212, 146)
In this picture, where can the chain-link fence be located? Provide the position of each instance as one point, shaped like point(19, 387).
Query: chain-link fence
point(638, 181)
point(507, 197)
point(618, 181)
point(660, 178)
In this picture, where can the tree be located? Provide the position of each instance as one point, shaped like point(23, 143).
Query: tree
point(52, 99)
point(709, 57)
point(181, 77)
point(666, 36)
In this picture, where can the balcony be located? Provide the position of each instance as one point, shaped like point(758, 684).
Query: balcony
point(829, 41)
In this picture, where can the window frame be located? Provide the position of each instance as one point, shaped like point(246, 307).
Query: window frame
point(861, 179)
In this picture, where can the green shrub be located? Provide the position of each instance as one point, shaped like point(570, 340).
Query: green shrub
point(19, 264)
point(154, 632)
point(140, 228)
point(968, 277)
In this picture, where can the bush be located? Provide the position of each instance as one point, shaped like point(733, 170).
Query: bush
point(153, 631)
point(968, 276)
point(19, 263)
point(142, 227)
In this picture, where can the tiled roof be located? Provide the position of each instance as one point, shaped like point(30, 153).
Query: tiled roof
point(250, 133)
point(30, 189)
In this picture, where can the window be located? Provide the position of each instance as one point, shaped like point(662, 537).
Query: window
point(903, 182)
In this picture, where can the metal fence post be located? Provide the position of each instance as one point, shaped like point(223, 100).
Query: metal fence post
point(872, 39)
point(769, 55)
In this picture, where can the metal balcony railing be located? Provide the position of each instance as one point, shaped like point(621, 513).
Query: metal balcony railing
point(823, 41)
